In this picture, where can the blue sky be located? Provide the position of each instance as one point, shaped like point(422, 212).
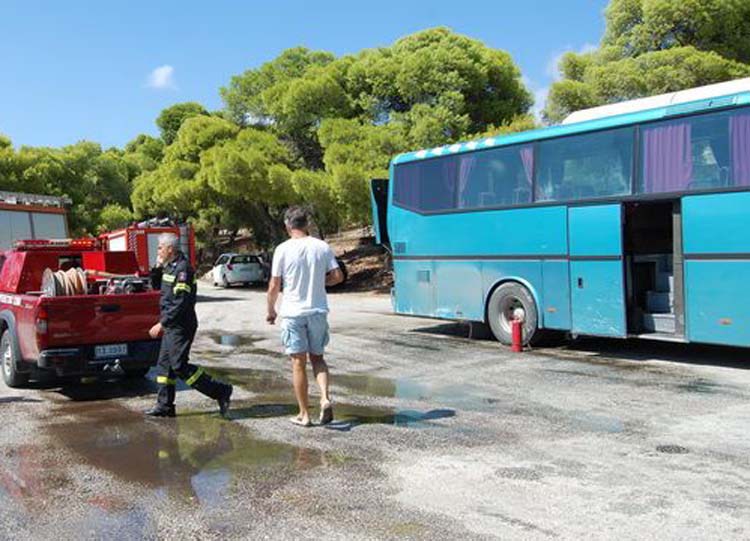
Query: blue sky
point(103, 71)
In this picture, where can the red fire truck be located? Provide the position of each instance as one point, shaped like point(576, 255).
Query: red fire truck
point(70, 309)
point(143, 238)
point(75, 307)
point(31, 216)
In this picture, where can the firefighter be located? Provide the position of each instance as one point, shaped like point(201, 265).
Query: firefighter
point(177, 325)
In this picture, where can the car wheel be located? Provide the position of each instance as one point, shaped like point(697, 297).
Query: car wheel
point(508, 302)
point(224, 281)
point(11, 376)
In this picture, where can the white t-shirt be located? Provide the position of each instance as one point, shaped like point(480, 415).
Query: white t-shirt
point(302, 265)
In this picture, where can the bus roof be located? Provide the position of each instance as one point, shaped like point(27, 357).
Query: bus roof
point(705, 98)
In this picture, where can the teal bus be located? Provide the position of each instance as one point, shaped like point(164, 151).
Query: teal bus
point(626, 220)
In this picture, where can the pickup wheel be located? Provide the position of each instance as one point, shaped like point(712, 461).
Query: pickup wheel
point(11, 376)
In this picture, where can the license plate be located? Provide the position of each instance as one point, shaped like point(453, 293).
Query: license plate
point(111, 350)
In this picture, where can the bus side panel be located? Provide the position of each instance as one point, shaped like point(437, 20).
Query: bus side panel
point(556, 295)
point(414, 290)
point(716, 240)
point(459, 290)
point(716, 224)
point(718, 297)
point(597, 296)
point(528, 273)
point(526, 232)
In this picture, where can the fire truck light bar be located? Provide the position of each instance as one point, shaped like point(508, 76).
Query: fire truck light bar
point(47, 244)
point(12, 198)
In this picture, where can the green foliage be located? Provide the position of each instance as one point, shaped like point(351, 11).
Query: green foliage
point(114, 217)
point(171, 119)
point(315, 189)
point(310, 128)
point(652, 47)
point(91, 178)
point(520, 123)
point(248, 95)
point(197, 134)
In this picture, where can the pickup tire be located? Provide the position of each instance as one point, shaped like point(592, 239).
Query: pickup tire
point(11, 376)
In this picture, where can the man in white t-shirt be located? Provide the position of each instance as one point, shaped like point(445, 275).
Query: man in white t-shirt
point(304, 266)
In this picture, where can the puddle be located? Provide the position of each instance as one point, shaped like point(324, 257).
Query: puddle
point(348, 416)
point(231, 340)
point(597, 423)
point(198, 458)
point(277, 387)
point(253, 380)
point(462, 396)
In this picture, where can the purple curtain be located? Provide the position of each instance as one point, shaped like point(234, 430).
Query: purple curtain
point(667, 158)
point(527, 157)
point(739, 130)
point(408, 184)
point(467, 163)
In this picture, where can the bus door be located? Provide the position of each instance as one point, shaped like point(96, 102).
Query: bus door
point(597, 288)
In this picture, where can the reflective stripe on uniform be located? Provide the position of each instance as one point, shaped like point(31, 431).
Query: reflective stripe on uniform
point(182, 287)
point(192, 379)
point(169, 278)
point(164, 380)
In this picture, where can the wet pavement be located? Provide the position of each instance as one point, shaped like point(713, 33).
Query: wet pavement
point(436, 436)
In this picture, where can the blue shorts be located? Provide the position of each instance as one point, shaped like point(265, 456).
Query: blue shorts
point(305, 334)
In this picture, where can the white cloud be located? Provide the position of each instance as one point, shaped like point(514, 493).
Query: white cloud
point(162, 78)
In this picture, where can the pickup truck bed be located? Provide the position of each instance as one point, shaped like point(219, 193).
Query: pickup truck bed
point(70, 335)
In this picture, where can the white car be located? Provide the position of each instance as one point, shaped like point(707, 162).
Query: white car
point(232, 269)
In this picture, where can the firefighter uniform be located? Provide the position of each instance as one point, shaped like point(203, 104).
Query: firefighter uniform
point(178, 319)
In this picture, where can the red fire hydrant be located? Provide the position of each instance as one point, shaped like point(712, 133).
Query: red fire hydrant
point(516, 342)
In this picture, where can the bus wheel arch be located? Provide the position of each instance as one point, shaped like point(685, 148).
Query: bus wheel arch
point(508, 299)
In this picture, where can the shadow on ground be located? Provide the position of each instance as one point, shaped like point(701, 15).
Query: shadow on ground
point(608, 349)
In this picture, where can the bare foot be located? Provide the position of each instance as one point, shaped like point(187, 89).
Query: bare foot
point(326, 412)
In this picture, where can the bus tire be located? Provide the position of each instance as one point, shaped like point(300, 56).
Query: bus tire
point(508, 301)
point(11, 375)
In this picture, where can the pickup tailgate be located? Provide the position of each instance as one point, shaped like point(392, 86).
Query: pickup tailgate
point(100, 319)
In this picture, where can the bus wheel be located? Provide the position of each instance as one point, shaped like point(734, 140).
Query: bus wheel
point(508, 302)
point(11, 376)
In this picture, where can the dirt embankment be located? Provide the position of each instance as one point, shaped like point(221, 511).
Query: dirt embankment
point(367, 265)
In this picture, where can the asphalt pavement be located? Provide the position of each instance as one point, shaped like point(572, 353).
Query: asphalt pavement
point(436, 436)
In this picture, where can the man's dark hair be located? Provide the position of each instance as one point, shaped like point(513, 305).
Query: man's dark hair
point(296, 218)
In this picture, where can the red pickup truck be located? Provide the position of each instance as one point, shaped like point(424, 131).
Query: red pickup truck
point(70, 309)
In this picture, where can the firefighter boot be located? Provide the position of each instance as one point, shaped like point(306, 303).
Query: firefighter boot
point(164, 398)
point(160, 411)
point(203, 383)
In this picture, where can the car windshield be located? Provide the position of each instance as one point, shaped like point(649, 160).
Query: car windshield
point(244, 259)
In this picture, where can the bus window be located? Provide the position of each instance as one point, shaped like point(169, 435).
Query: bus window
point(739, 136)
point(699, 153)
point(495, 177)
point(427, 185)
point(585, 166)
